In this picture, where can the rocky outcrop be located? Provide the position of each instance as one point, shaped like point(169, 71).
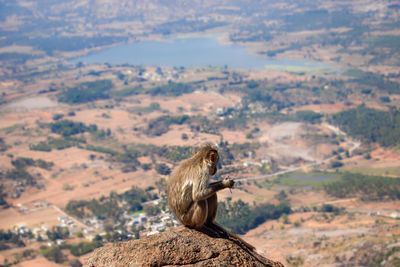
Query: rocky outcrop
point(177, 247)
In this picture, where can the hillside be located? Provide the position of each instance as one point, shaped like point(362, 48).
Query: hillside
point(311, 137)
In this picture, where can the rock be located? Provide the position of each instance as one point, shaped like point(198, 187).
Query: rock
point(177, 246)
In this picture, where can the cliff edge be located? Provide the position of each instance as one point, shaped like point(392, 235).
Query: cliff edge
point(177, 247)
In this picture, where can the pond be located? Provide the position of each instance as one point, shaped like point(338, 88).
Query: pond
point(195, 51)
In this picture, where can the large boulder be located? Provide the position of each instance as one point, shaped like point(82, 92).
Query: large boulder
point(178, 247)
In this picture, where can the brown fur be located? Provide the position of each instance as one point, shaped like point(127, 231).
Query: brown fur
point(190, 195)
point(193, 198)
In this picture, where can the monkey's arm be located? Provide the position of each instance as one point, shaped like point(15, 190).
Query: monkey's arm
point(216, 183)
point(212, 188)
point(228, 182)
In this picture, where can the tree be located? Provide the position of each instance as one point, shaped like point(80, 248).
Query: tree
point(53, 254)
point(281, 196)
point(75, 263)
point(336, 164)
point(163, 169)
point(152, 210)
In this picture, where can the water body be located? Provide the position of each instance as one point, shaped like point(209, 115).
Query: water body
point(191, 52)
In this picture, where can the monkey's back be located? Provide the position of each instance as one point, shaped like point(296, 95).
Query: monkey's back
point(180, 192)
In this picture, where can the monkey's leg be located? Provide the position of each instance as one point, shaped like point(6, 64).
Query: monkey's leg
point(212, 208)
point(212, 214)
point(196, 216)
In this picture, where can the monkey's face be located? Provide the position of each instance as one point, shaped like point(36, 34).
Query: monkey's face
point(214, 158)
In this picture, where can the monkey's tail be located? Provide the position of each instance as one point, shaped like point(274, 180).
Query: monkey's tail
point(240, 240)
point(250, 249)
point(234, 237)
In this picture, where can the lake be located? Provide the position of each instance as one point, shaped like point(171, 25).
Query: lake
point(195, 51)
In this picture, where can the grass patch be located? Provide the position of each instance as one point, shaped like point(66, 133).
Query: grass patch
point(10, 129)
point(366, 187)
point(315, 179)
point(300, 69)
point(387, 171)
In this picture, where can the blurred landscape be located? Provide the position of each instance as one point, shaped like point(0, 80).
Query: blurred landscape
point(101, 99)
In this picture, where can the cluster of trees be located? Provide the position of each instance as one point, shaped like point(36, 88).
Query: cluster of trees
point(383, 47)
point(53, 254)
point(83, 248)
point(20, 173)
point(101, 149)
point(154, 106)
point(252, 33)
point(240, 217)
point(135, 196)
point(331, 208)
point(71, 43)
point(320, 19)
point(364, 186)
point(126, 91)
point(374, 80)
point(22, 162)
point(371, 125)
point(161, 125)
point(57, 232)
point(172, 89)
point(268, 96)
point(66, 128)
point(100, 89)
point(86, 92)
point(169, 89)
point(129, 156)
point(109, 207)
point(8, 237)
point(3, 202)
point(3, 145)
point(163, 169)
point(308, 116)
point(185, 25)
point(176, 153)
point(57, 143)
point(294, 46)
point(56, 255)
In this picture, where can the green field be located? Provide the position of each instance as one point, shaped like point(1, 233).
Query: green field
point(314, 179)
point(387, 171)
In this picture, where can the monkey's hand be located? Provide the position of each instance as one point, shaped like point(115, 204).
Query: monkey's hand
point(228, 183)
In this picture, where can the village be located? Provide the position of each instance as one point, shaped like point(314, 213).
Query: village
point(135, 225)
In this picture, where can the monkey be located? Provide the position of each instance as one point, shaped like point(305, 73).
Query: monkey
point(191, 196)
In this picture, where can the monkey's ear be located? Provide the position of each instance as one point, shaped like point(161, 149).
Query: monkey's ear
point(212, 156)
